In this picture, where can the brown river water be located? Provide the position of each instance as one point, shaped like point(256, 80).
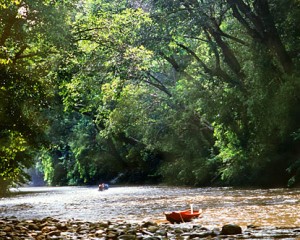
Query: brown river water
point(261, 207)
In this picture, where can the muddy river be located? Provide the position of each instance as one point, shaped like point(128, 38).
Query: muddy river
point(261, 207)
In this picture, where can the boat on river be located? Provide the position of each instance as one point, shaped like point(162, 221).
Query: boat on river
point(182, 216)
point(103, 186)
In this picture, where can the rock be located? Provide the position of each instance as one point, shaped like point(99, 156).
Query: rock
point(252, 226)
point(34, 234)
point(32, 226)
point(47, 229)
point(20, 227)
point(49, 219)
point(151, 238)
point(161, 232)
point(127, 237)
point(204, 228)
point(132, 231)
point(104, 224)
point(41, 237)
point(8, 229)
point(65, 234)
point(54, 233)
point(215, 232)
point(100, 232)
point(198, 235)
point(178, 230)
point(61, 226)
point(231, 229)
point(152, 229)
point(148, 224)
point(197, 226)
point(112, 235)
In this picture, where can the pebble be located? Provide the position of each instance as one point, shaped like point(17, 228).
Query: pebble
point(50, 228)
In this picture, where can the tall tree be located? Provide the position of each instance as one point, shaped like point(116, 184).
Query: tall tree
point(32, 34)
point(242, 55)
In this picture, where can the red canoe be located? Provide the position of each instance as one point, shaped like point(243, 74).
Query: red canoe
point(182, 216)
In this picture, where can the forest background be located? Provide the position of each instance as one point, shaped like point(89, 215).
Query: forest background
point(181, 92)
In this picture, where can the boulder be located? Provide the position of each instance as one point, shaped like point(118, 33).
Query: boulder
point(231, 229)
point(153, 229)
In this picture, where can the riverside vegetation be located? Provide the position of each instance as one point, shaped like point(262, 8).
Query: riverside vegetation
point(184, 92)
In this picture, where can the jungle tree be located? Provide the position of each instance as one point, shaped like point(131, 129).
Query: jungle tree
point(32, 35)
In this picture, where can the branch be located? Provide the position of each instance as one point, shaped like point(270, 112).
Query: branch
point(88, 30)
point(214, 49)
point(19, 54)
point(158, 85)
point(171, 60)
point(222, 13)
point(196, 38)
point(238, 7)
point(217, 72)
point(234, 38)
point(203, 65)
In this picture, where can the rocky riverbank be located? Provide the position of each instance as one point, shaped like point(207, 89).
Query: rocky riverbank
point(50, 228)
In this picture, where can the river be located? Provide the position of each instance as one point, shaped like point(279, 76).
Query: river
point(261, 207)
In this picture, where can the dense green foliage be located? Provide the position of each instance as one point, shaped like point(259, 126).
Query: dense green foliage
point(30, 42)
point(184, 92)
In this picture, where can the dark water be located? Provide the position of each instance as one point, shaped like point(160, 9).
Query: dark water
point(262, 207)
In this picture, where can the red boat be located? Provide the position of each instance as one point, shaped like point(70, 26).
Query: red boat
point(182, 216)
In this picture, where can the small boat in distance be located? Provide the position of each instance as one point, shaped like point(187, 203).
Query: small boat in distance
point(182, 216)
point(103, 186)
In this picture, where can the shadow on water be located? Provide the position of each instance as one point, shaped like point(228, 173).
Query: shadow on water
point(20, 193)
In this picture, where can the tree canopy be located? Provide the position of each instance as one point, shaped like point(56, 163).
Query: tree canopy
point(193, 92)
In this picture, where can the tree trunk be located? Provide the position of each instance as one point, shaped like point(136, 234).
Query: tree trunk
point(261, 26)
point(272, 36)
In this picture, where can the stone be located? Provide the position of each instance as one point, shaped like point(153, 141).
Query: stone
point(152, 238)
point(204, 228)
point(127, 237)
point(152, 229)
point(148, 224)
point(8, 229)
point(61, 226)
point(47, 229)
point(161, 232)
point(132, 231)
point(54, 233)
point(65, 234)
point(197, 226)
point(111, 235)
point(178, 230)
point(231, 229)
point(201, 235)
point(104, 224)
point(32, 226)
point(41, 237)
point(215, 232)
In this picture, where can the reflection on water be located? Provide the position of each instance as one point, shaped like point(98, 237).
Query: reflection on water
point(262, 207)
